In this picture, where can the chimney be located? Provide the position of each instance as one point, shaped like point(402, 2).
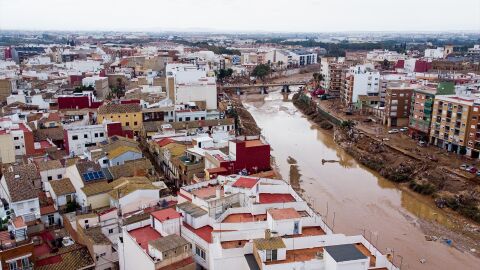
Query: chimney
point(268, 234)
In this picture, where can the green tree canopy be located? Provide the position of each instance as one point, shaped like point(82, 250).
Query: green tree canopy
point(261, 71)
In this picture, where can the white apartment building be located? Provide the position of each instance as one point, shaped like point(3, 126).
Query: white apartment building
point(361, 80)
point(436, 53)
point(304, 58)
point(235, 222)
point(79, 138)
point(189, 83)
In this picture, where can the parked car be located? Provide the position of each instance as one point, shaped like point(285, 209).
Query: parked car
point(368, 120)
point(464, 167)
point(473, 170)
point(393, 131)
point(422, 143)
point(403, 129)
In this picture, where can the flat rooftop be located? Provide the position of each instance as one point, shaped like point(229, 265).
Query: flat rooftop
point(204, 232)
point(308, 231)
point(206, 192)
point(276, 198)
point(244, 217)
point(299, 255)
point(144, 235)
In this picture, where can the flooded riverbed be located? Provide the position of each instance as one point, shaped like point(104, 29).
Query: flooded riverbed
point(354, 199)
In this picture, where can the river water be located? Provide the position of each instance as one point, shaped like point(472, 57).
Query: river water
point(354, 199)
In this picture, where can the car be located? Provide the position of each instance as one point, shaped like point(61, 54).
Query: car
point(478, 173)
point(393, 131)
point(368, 120)
point(422, 143)
point(403, 129)
point(473, 170)
point(464, 167)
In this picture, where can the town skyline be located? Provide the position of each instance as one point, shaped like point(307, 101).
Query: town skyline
point(371, 15)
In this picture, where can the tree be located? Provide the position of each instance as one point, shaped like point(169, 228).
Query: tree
point(261, 71)
point(317, 78)
point(386, 64)
point(222, 74)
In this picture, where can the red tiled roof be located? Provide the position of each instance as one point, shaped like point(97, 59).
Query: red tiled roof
point(204, 232)
point(164, 142)
point(144, 235)
point(275, 198)
point(244, 182)
point(47, 210)
point(166, 214)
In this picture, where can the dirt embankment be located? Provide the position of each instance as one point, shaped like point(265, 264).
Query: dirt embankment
point(310, 110)
point(244, 121)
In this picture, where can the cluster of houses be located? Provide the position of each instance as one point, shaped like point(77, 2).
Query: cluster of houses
point(121, 158)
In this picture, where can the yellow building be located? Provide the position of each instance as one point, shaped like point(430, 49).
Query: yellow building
point(129, 115)
point(450, 122)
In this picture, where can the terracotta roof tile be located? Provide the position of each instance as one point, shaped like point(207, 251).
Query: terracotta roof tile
point(62, 186)
point(119, 108)
point(20, 182)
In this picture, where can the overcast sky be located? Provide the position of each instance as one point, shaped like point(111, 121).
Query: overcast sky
point(242, 15)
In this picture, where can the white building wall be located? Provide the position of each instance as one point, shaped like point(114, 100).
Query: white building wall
point(134, 257)
point(77, 147)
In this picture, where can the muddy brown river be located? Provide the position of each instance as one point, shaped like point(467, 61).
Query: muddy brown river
point(353, 199)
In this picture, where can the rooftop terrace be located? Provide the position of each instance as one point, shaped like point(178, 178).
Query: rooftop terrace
point(144, 235)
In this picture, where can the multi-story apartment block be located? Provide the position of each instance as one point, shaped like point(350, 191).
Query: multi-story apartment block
point(360, 80)
point(421, 112)
point(450, 122)
point(422, 107)
point(189, 83)
point(78, 138)
point(398, 101)
point(333, 72)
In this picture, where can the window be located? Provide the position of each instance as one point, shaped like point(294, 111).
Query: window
point(187, 118)
point(15, 138)
point(180, 119)
point(127, 124)
point(105, 161)
point(17, 147)
point(200, 252)
point(85, 136)
point(135, 123)
point(13, 265)
point(101, 134)
point(25, 263)
point(96, 135)
point(271, 255)
point(74, 137)
point(110, 231)
point(59, 176)
point(49, 178)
